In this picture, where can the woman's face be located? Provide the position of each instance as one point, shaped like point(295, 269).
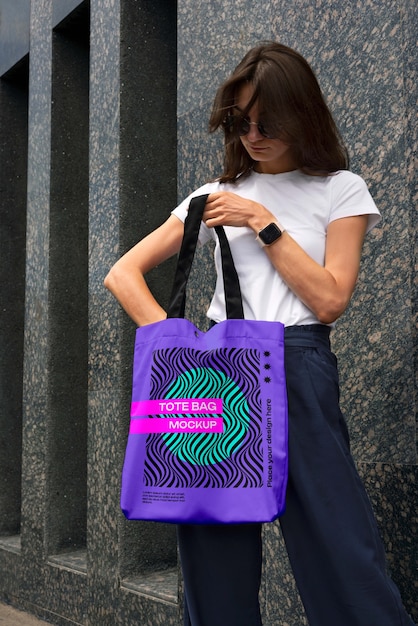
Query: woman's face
point(272, 156)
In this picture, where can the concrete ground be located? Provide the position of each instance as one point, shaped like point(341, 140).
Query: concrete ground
point(12, 617)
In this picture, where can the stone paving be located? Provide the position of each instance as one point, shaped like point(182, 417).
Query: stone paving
point(10, 616)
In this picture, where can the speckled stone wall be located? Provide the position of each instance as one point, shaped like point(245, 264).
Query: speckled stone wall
point(365, 57)
point(100, 156)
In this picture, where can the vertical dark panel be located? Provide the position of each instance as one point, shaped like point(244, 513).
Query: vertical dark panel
point(68, 286)
point(13, 193)
point(148, 174)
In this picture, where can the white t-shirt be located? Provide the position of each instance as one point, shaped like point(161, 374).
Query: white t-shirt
point(304, 205)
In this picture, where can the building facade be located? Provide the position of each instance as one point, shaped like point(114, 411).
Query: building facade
point(104, 110)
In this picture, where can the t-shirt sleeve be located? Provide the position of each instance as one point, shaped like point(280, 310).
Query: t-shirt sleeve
point(350, 197)
point(205, 234)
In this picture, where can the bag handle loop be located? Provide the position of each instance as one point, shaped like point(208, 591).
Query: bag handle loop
point(233, 299)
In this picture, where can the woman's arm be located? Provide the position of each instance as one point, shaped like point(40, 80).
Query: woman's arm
point(327, 289)
point(126, 278)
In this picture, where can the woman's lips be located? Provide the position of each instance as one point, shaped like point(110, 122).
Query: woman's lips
point(256, 148)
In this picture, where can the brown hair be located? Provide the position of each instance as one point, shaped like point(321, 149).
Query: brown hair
point(288, 93)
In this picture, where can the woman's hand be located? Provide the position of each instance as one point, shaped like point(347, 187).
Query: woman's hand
point(225, 208)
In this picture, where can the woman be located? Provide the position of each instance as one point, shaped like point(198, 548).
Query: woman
point(295, 219)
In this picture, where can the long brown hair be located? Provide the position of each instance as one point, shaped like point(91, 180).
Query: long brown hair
point(287, 92)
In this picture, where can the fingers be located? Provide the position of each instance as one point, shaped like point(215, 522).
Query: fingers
point(228, 209)
point(215, 209)
point(216, 199)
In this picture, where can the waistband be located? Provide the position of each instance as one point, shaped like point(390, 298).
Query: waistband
point(304, 336)
point(307, 336)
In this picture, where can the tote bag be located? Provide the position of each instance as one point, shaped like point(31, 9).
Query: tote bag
point(207, 442)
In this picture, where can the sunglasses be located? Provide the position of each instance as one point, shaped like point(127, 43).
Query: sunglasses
point(241, 126)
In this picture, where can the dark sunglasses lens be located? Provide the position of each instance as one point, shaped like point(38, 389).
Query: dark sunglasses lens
point(263, 131)
point(243, 127)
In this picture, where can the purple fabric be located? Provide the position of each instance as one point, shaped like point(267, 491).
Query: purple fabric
point(236, 476)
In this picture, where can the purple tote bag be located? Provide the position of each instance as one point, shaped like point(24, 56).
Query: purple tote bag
point(207, 442)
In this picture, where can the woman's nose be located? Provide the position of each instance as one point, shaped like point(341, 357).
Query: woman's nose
point(254, 133)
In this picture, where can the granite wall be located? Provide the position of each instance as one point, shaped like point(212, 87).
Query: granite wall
point(93, 155)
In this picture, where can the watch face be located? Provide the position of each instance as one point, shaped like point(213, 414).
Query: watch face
point(270, 234)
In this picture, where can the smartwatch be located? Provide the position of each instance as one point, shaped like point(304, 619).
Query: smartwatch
point(268, 235)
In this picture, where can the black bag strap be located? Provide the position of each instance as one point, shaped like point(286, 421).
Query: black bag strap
point(233, 299)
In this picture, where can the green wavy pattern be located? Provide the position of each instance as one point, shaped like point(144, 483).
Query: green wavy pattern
point(209, 448)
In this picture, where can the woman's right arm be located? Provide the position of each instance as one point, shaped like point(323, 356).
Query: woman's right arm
point(126, 278)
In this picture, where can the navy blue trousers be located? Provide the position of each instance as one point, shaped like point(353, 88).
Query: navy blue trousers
point(329, 528)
